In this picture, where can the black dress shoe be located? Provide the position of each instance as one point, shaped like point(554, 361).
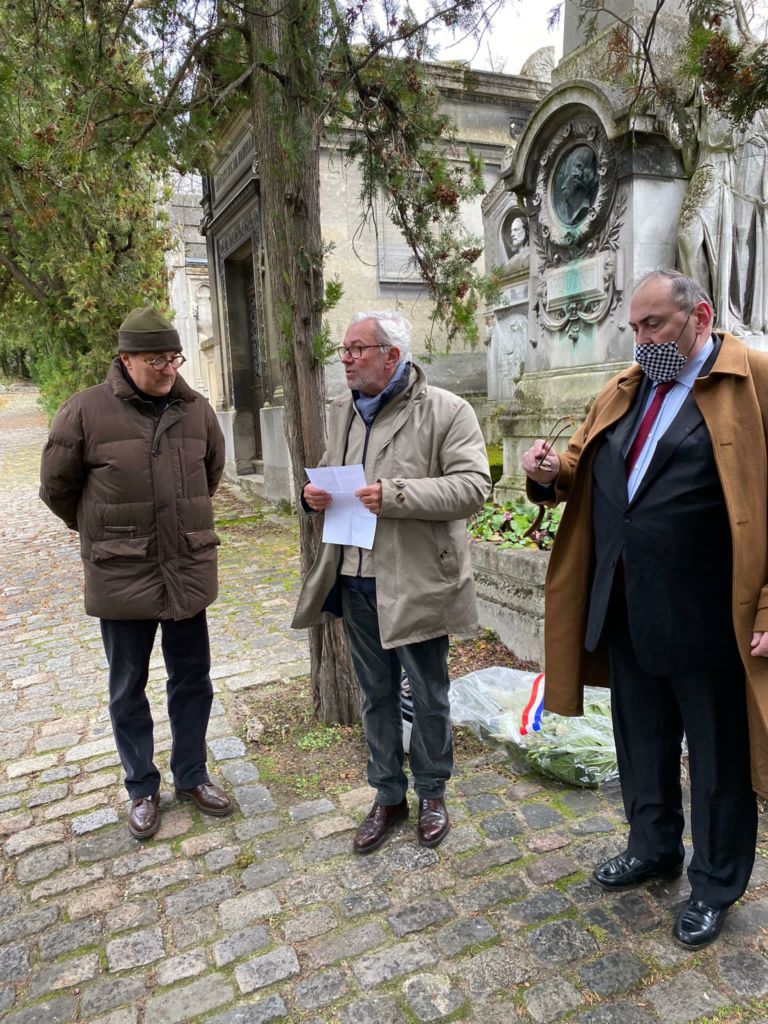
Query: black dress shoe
point(626, 871)
point(377, 824)
point(698, 924)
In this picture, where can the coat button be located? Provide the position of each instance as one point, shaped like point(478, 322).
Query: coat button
point(443, 554)
point(161, 508)
point(613, 564)
point(400, 497)
point(627, 519)
point(155, 452)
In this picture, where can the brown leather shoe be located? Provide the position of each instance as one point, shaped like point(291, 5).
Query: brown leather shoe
point(209, 798)
point(377, 824)
point(144, 817)
point(434, 823)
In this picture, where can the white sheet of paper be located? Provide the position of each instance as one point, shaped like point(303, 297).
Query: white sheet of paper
point(347, 520)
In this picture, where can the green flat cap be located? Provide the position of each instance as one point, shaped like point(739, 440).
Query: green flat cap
point(145, 330)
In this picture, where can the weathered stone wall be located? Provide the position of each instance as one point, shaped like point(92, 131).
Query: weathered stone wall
point(510, 596)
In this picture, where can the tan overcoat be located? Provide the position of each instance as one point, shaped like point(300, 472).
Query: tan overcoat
point(427, 449)
point(733, 400)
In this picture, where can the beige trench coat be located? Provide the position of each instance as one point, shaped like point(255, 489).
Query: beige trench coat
point(733, 400)
point(431, 460)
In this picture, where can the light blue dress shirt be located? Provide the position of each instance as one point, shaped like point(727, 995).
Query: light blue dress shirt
point(670, 407)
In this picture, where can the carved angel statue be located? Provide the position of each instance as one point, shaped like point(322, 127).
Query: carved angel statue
point(723, 225)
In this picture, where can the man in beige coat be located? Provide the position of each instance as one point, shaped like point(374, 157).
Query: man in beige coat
point(426, 470)
point(657, 584)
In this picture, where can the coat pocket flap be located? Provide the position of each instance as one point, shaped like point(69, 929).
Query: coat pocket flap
point(120, 547)
point(199, 539)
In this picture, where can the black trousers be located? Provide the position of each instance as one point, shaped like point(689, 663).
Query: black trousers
point(379, 672)
point(128, 644)
point(650, 715)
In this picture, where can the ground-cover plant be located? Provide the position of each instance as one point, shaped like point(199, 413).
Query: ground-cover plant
point(504, 524)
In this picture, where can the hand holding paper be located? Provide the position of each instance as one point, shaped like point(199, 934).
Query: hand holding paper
point(347, 520)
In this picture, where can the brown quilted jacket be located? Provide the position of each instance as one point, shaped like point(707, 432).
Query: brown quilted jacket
point(138, 491)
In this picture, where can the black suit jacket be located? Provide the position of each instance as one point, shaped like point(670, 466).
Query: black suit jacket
point(673, 538)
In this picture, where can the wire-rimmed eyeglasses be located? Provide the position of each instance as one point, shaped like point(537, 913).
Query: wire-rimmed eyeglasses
point(160, 362)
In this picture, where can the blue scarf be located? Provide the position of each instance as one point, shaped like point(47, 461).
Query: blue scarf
point(369, 406)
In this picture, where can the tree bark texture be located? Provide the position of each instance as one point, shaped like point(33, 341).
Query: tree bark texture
point(287, 144)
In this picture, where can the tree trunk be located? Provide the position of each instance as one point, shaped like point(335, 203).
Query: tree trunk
point(288, 149)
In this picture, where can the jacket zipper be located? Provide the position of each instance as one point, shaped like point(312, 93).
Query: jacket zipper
point(365, 456)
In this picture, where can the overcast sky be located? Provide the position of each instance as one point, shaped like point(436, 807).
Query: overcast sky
point(517, 31)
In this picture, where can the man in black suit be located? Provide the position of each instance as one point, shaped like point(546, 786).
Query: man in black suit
point(660, 600)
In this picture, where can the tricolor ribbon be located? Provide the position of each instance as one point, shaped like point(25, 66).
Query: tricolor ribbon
point(534, 708)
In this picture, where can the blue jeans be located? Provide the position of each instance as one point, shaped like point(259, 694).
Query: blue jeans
point(378, 672)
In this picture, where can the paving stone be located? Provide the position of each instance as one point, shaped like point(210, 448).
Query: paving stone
point(68, 938)
point(10, 823)
point(497, 968)
point(196, 896)
point(101, 763)
point(618, 1013)
point(363, 795)
point(7, 998)
point(41, 863)
point(310, 809)
point(597, 851)
point(324, 849)
point(21, 926)
point(746, 973)
point(325, 827)
point(455, 938)
point(369, 870)
point(538, 816)
point(488, 894)
point(550, 1000)
point(135, 950)
point(598, 917)
point(179, 1004)
point(253, 800)
point(550, 869)
point(612, 974)
point(107, 845)
point(364, 903)
point(382, 1010)
point(226, 748)
point(93, 901)
point(585, 892)
point(344, 945)
point(591, 826)
point(30, 766)
point(10, 903)
point(57, 742)
point(501, 826)
point(461, 839)
point(155, 879)
point(195, 846)
point(485, 782)
point(684, 998)
point(97, 819)
point(310, 925)
point(101, 781)
point(419, 916)
point(262, 1012)
point(633, 912)
point(561, 942)
point(87, 750)
point(47, 794)
point(146, 857)
point(67, 881)
point(746, 921)
point(239, 773)
point(421, 884)
point(260, 875)
point(410, 857)
point(533, 910)
point(258, 827)
point(432, 996)
point(14, 962)
point(546, 842)
point(67, 771)
point(581, 801)
point(55, 1011)
point(31, 838)
point(241, 911)
point(110, 994)
point(396, 962)
point(241, 943)
point(173, 824)
point(129, 1015)
point(491, 857)
point(195, 928)
point(131, 915)
point(321, 989)
point(266, 970)
point(484, 803)
point(218, 860)
point(65, 974)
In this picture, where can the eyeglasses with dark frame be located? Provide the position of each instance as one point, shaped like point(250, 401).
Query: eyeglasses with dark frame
point(160, 362)
point(354, 350)
point(549, 441)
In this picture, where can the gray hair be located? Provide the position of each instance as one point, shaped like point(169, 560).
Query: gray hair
point(683, 291)
point(390, 328)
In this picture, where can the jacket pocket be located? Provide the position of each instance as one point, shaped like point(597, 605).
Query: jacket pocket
point(120, 547)
point(182, 471)
point(199, 539)
point(446, 552)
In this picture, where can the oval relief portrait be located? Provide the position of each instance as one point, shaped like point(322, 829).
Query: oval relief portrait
point(575, 185)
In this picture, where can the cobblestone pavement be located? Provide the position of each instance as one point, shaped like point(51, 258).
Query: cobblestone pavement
point(266, 916)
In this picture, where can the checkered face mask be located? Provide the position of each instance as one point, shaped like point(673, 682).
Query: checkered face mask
point(662, 362)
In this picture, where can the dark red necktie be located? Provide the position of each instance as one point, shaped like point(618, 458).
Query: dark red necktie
point(645, 427)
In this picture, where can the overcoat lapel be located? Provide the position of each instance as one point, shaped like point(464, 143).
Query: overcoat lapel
point(624, 429)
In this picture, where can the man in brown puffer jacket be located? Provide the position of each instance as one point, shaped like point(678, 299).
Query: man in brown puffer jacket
point(132, 464)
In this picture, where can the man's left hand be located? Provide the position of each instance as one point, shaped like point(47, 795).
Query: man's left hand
point(371, 498)
point(759, 645)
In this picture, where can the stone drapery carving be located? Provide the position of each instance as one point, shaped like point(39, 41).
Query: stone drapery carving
point(506, 337)
point(723, 226)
